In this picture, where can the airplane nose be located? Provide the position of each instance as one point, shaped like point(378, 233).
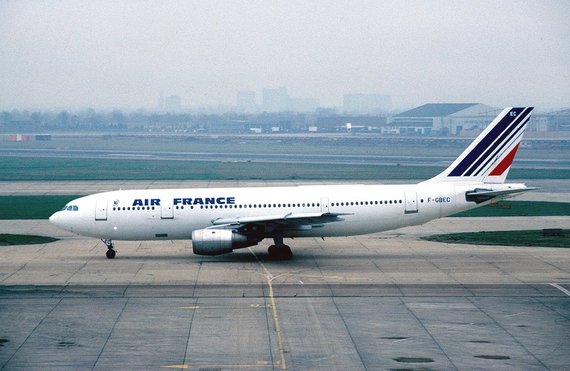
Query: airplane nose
point(55, 219)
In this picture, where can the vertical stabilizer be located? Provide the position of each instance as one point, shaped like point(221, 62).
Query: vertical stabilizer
point(489, 157)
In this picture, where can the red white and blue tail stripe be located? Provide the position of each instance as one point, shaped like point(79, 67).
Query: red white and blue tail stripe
point(489, 158)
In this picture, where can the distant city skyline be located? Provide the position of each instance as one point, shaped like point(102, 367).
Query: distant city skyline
point(63, 54)
point(278, 100)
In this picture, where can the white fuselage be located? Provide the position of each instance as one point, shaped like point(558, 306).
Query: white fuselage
point(175, 213)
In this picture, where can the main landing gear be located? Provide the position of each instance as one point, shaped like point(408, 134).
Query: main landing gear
point(279, 251)
point(110, 249)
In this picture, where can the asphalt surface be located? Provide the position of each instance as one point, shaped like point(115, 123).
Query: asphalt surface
point(384, 301)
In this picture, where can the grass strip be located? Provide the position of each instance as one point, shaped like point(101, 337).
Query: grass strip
point(534, 238)
point(31, 207)
point(519, 208)
point(21, 239)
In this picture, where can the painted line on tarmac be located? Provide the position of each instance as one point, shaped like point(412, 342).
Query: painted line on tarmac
point(269, 277)
point(555, 285)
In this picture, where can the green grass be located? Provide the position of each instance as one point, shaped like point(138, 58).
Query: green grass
point(19, 239)
point(505, 238)
point(64, 169)
point(31, 207)
point(519, 208)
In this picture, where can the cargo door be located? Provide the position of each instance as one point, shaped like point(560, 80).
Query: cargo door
point(411, 202)
point(101, 210)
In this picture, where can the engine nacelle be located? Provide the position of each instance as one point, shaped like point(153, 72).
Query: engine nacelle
point(218, 241)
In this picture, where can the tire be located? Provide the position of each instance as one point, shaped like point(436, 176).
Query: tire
point(110, 254)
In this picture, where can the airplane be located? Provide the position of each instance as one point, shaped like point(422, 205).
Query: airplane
point(220, 220)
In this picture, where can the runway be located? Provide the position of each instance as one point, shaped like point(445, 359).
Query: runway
point(384, 301)
point(296, 158)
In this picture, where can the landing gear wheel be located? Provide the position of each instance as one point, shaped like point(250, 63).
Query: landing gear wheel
point(280, 253)
point(272, 250)
point(110, 253)
point(286, 253)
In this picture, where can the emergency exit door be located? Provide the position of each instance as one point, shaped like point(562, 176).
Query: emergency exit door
point(166, 211)
point(324, 205)
point(411, 202)
point(101, 210)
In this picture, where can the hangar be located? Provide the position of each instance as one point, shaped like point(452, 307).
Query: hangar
point(443, 119)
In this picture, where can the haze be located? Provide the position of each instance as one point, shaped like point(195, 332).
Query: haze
point(124, 54)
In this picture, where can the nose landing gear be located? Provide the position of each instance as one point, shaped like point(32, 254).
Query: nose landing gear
point(110, 249)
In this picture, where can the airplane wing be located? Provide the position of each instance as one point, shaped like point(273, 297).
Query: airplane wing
point(481, 195)
point(273, 222)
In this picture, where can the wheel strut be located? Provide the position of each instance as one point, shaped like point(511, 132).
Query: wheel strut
point(110, 249)
point(279, 251)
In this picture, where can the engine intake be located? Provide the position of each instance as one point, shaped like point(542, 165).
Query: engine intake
point(219, 241)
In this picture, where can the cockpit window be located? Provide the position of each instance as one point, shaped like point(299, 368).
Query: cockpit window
point(70, 208)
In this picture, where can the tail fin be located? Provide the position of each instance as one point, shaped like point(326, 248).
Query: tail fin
point(489, 157)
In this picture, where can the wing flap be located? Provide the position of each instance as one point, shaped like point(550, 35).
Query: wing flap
point(287, 219)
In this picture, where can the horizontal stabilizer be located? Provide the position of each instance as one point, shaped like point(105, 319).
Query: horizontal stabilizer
point(481, 195)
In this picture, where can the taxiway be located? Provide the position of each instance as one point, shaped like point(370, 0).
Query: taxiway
point(383, 301)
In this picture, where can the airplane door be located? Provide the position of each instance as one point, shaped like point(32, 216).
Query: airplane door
point(324, 205)
point(166, 211)
point(411, 202)
point(101, 210)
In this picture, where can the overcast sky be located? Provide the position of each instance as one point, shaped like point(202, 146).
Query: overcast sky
point(122, 54)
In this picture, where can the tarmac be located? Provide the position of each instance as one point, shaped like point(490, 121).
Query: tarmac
point(387, 301)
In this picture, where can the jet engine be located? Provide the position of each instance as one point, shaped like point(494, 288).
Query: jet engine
point(219, 241)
